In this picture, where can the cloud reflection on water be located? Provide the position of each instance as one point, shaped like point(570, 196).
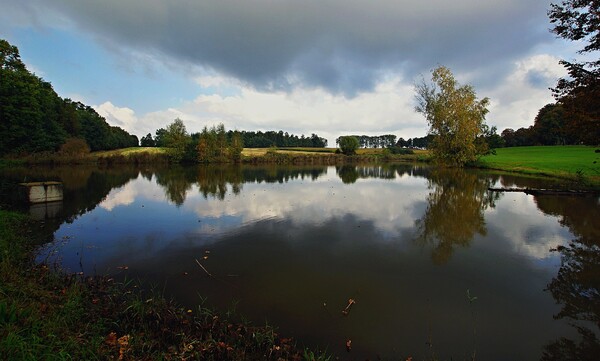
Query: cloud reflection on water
point(395, 206)
point(296, 237)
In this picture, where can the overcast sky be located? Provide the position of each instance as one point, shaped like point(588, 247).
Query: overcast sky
point(330, 67)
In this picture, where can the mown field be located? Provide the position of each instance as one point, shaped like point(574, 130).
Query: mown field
point(580, 162)
point(129, 151)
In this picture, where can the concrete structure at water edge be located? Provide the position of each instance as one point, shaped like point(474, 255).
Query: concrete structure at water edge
point(43, 192)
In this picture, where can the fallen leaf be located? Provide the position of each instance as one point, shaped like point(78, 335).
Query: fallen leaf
point(123, 346)
point(111, 339)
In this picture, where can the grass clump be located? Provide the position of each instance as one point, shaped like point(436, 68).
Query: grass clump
point(46, 314)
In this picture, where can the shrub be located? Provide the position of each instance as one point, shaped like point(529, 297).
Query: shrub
point(74, 147)
point(401, 151)
point(349, 145)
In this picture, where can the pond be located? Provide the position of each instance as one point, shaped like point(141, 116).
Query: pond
point(438, 265)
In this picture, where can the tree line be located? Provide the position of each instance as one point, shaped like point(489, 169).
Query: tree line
point(251, 139)
point(281, 139)
point(33, 118)
point(553, 125)
point(368, 141)
point(211, 145)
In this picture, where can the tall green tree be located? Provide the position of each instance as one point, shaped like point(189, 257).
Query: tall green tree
point(579, 20)
point(33, 118)
point(455, 117)
point(29, 108)
point(147, 141)
point(236, 147)
point(216, 145)
point(549, 125)
point(207, 144)
point(176, 138)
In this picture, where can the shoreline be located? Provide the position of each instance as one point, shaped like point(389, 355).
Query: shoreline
point(45, 312)
point(526, 163)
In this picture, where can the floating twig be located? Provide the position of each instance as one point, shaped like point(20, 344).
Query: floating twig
point(204, 269)
point(346, 310)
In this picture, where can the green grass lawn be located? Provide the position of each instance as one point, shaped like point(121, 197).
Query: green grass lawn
point(557, 161)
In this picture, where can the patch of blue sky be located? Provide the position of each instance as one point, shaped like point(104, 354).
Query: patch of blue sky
point(79, 67)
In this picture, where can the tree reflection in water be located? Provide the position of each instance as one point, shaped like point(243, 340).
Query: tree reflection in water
point(454, 211)
point(576, 286)
point(176, 181)
point(214, 180)
point(347, 173)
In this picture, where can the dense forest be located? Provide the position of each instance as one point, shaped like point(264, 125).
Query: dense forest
point(280, 139)
point(33, 118)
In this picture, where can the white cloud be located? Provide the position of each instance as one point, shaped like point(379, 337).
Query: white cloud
point(516, 99)
point(267, 66)
point(122, 117)
point(388, 108)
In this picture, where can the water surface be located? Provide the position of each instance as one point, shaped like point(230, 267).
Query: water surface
point(438, 265)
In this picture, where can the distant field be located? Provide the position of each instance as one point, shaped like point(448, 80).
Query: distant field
point(305, 150)
point(561, 161)
point(249, 152)
point(129, 151)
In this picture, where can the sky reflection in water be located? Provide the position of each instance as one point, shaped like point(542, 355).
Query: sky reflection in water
point(405, 243)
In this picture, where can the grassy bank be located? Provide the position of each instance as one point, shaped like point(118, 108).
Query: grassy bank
point(46, 314)
point(133, 155)
point(574, 163)
point(154, 155)
point(325, 156)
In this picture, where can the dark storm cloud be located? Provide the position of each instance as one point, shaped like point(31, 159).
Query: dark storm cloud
point(341, 45)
